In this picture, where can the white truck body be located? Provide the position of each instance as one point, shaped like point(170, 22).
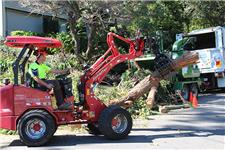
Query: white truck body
point(210, 44)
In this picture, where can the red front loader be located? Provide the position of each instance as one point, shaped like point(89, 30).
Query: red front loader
point(30, 111)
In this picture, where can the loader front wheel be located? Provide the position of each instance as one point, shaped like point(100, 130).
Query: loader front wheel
point(36, 127)
point(115, 123)
point(93, 129)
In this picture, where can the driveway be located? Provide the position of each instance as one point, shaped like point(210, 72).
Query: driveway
point(201, 128)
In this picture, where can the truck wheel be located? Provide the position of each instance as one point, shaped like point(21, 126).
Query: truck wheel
point(93, 129)
point(185, 92)
point(115, 123)
point(194, 89)
point(36, 127)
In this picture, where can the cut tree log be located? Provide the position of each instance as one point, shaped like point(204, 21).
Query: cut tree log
point(151, 82)
point(166, 109)
point(151, 96)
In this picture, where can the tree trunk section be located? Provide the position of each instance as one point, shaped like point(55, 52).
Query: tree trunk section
point(151, 97)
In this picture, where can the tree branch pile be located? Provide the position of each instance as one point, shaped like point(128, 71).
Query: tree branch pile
point(151, 82)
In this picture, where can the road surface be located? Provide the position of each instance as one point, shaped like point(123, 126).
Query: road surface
point(201, 128)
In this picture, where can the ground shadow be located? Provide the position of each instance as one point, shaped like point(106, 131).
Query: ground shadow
point(179, 130)
point(73, 140)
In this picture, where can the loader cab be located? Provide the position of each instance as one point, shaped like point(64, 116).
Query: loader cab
point(29, 45)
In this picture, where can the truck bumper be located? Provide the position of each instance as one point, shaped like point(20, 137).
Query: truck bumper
point(8, 122)
point(179, 85)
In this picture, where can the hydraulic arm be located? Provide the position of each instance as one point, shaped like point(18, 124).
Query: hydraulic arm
point(97, 72)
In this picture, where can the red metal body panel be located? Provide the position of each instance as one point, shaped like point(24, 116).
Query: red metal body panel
point(94, 106)
point(26, 98)
point(6, 101)
point(65, 116)
point(20, 41)
point(16, 100)
point(8, 122)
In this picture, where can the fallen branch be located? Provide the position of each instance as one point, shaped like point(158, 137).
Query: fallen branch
point(166, 109)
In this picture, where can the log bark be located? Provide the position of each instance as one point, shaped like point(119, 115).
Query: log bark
point(151, 97)
point(166, 109)
point(151, 82)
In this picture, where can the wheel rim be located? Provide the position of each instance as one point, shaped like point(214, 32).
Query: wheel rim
point(194, 90)
point(119, 123)
point(35, 128)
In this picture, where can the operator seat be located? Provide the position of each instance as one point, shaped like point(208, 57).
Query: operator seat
point(29, 82)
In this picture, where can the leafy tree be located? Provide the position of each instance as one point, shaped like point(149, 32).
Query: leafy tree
point(89, 21)
point(153, 16)
point(90, 16)
point(207, 13)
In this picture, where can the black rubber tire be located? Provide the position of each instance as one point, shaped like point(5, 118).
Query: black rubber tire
point(55, 130)
point(185, 92)
point(93, 129)
point(41, 115)
point(105, 122)
point(194, 89)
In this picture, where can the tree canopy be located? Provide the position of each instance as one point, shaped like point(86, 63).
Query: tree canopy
point(89, 21)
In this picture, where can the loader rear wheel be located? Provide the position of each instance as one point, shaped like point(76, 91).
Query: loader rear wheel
point(115, 122)
point(36, 127)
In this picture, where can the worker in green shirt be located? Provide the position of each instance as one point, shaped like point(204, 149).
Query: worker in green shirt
point(38, 71)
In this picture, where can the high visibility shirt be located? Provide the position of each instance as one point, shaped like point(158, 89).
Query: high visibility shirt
point(38, 70)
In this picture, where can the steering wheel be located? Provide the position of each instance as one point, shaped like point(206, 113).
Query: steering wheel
point(63, 76)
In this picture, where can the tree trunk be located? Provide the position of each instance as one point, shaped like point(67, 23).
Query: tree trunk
point(151, 82)
point(90, 45)
point(74, 15)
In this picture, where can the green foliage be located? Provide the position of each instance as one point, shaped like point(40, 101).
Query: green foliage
point(206, 14)
point(7, 56)
point(5, 62)
point(66, 39)
point(63, 61)
point(8, 132)
point(164, 16)
point(24, 33)
point(165, 93)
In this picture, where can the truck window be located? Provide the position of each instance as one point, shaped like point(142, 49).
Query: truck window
point(202, 41)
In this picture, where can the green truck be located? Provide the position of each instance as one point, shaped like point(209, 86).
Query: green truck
point(209, 73)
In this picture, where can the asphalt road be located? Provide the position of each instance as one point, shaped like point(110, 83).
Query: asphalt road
point(201, 128)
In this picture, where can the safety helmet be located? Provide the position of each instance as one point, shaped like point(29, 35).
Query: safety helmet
point(40, 52)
